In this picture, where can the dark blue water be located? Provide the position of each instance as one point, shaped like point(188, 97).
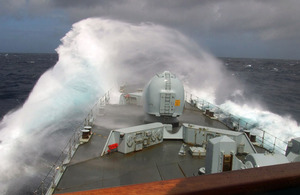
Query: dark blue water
point(18, 74)
point(273, 83)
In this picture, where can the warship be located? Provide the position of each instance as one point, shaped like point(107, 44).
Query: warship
point(164, 140)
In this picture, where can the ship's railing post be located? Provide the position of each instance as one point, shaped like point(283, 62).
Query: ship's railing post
point(74, 141)
point(70, 150)
point(43, 186)
point(263, 138)
point(274, 144)
point(202, 104)
point(53, 178)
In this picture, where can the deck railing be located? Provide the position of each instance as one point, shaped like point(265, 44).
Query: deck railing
point(263, 138)
point(51, 179)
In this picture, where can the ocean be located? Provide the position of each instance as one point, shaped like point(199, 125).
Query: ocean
point(19, 73)
point(275, 83)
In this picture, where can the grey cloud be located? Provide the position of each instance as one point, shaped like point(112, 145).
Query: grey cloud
point(262, 20)
point(11, 7)
point(80, 4)
point(268, 19)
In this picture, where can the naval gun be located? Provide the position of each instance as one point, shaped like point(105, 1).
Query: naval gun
point(163, 99)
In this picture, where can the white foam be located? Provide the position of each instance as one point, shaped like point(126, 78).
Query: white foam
point(282, 127)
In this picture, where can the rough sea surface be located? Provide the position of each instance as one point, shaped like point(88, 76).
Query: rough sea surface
point(275, 83)
point(18, 74)
point(272, 82)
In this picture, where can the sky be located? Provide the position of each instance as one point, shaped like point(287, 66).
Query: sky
point(225, 28)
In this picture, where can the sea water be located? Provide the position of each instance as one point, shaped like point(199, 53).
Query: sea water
point(274, 83)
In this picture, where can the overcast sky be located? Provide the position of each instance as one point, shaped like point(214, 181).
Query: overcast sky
point(228, 28)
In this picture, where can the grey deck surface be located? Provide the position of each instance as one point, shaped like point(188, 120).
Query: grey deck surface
point(87, 170)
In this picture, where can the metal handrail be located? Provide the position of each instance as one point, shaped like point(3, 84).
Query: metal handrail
point(263, 138)
point(51, 179)
point(51, 176)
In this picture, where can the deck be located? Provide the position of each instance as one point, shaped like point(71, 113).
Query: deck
point(87, 170)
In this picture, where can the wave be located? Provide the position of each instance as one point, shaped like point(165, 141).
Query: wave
point(284, 128)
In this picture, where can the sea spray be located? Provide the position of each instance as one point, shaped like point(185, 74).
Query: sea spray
point(282, 128)
point(95, 56)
